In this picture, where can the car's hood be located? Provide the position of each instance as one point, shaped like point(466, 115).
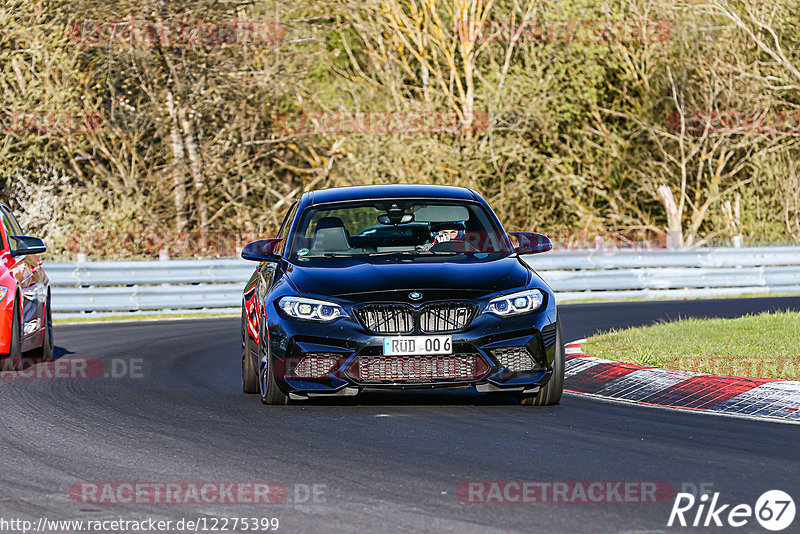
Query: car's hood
point(469, 277)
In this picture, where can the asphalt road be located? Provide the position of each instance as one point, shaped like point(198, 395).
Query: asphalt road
point(392, 463)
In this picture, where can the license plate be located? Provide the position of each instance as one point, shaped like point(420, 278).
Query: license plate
point(417, 345)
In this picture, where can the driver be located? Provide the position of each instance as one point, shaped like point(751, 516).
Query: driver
point(444, 232)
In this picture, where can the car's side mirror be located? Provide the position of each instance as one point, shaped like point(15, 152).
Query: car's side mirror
point(262, 250)
point(26, 245)
point(531, 243)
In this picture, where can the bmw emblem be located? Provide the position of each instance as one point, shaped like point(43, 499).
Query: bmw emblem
point(415, 295)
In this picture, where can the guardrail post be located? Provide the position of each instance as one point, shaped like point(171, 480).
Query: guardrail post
point(674, 239)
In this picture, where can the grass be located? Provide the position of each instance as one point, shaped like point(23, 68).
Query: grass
point(766, 345)
point(133, 317)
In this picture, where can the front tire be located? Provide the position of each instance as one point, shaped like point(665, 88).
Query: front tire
point(12, 360)
point(270, 392)
point(550, 393)
point(249, 372)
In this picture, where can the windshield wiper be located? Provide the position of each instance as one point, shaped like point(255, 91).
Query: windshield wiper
point(390, 253)
point(340, 255)
point(434, 253)
point(413, 253)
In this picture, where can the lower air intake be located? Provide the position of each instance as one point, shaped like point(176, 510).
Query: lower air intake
point(314, 366)
point(418, 368)
point(515, 358)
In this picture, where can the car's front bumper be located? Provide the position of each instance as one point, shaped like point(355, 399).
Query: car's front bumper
point(346, 340)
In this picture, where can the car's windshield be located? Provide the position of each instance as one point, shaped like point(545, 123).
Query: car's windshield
point(397, 227)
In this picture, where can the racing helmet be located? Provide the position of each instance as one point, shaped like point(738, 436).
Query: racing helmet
point(458, 226)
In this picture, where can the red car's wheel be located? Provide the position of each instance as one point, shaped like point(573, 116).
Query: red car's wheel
point(249, 372)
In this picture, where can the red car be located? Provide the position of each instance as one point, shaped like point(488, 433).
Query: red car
point(26, 324)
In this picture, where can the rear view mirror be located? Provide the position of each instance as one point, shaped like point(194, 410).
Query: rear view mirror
point(407, 218)
point(531, 243)
point(262, 250)
point(22, 245)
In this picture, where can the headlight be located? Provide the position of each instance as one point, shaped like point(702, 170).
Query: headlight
point(310, 309)
point(516, 303)
point(2, 293)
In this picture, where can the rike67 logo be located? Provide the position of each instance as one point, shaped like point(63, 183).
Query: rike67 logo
point(774, 510)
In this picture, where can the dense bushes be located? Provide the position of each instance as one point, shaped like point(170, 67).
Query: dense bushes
point(569, 123)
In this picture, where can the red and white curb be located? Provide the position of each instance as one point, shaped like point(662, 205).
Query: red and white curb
point(730, 395)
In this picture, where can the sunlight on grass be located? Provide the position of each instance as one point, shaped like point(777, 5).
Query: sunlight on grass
point(765, 345)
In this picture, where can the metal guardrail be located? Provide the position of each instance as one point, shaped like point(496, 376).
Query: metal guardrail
point(183, 285)
point(137, 286)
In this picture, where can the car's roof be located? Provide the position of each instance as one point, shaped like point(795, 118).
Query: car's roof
point(379, 192)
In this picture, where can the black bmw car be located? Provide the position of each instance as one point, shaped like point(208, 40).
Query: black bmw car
point(398, 287)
